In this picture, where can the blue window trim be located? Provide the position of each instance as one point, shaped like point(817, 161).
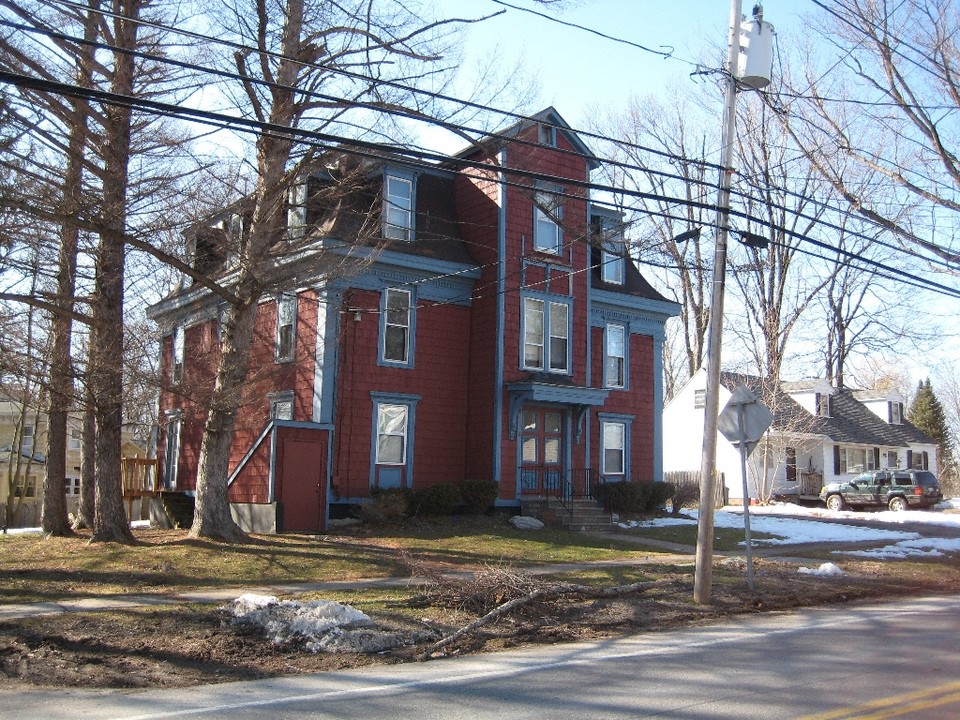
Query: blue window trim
point(546, 300)
point(411, 330)
point(383, 398)
point(411, 177)
point(627, 422)
point(626, 355)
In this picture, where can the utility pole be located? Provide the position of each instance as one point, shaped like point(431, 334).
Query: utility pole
point(756, 74)
point(703, 576)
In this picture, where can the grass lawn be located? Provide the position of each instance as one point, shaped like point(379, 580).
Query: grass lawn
point(34, 568)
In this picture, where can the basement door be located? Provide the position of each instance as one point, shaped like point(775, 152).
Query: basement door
point(302, 480)
point(542, 451)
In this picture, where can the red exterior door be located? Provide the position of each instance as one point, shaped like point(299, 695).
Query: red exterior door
point(541, 451)
point(302, 474)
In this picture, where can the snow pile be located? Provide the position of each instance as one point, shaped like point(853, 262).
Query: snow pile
point(322, 624)
point(827, 568)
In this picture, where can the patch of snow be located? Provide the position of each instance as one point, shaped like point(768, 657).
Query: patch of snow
point(827, 568)
point(804, 526)
point(286, 620)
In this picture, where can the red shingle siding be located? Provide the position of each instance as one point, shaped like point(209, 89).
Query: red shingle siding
point(438, 377)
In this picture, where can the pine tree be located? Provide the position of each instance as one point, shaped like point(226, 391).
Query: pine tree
point(927, 414)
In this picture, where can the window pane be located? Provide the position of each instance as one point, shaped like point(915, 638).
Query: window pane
point(559, 332)
point(390, 450)
point(529, 452)
point(551, 451)
point(613, 462)
point(552, 422)
point(395, 344)
point(530, 419)
point(533, 333)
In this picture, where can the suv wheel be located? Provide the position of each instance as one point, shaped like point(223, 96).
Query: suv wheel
point(835, 502)
point(897, 504)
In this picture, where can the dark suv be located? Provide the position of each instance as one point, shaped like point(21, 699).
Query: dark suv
point(896, 489)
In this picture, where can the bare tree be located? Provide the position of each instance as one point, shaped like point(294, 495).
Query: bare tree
point(658, 157)
point(887, 102)
point(783, 200)
point(297, 47)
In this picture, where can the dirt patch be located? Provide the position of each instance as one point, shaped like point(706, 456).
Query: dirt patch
point(189, 645)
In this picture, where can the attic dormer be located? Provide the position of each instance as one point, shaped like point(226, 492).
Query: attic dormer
point(887, 405)
point(815, 397)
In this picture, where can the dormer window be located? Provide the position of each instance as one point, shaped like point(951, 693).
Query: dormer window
point(546, 223)
point(297, 210)
point(546, 134)
point(613, 252)
point(823, 405)
point(398, 208)
point(895, 412)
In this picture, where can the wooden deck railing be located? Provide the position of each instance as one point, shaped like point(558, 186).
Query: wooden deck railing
point(139, 476)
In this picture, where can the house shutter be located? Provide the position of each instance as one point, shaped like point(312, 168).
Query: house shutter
point(889, 412)
point(926, 460)
point(836, 459)
point(876, 458)
point(909, 459)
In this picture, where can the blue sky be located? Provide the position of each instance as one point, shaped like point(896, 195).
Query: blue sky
point(580, 73)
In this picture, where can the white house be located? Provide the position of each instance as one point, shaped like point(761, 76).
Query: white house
point(820, 434)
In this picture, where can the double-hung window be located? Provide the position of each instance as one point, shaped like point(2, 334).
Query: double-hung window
point(171, 459)
point(546, 335)
point(615, 357)
point(546, 223)
point(614, 439)
point(397, 314)
point(398, 208)
point(392, 424)
point(286, 327)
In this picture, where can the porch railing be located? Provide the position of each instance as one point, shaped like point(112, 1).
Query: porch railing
point(551, 481)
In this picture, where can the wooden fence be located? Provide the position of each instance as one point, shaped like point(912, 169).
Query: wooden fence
point(692, 477)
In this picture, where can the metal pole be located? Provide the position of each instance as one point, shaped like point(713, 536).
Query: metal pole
point(703, 576)
point(741, 423)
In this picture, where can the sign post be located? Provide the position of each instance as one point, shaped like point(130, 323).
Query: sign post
point(743, 422)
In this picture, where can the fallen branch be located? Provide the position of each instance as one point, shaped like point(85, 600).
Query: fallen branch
point(548, 593)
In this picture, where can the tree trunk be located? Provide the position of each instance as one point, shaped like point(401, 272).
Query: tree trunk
point(212, 516)
point(110, 520)
point(54, 513)
point(87, 500)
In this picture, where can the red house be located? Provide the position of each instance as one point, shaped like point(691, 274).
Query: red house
point(496, 330)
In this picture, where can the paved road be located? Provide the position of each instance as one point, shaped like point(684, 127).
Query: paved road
point(867, 661)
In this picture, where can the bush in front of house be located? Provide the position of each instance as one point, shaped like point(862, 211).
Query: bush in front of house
point(440, 499)
point(478, 496)
point(660, 492)
point(686, 494)
point(388, 506)
point(628, 498)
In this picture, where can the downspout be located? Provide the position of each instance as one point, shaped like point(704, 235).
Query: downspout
point(501, 308)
